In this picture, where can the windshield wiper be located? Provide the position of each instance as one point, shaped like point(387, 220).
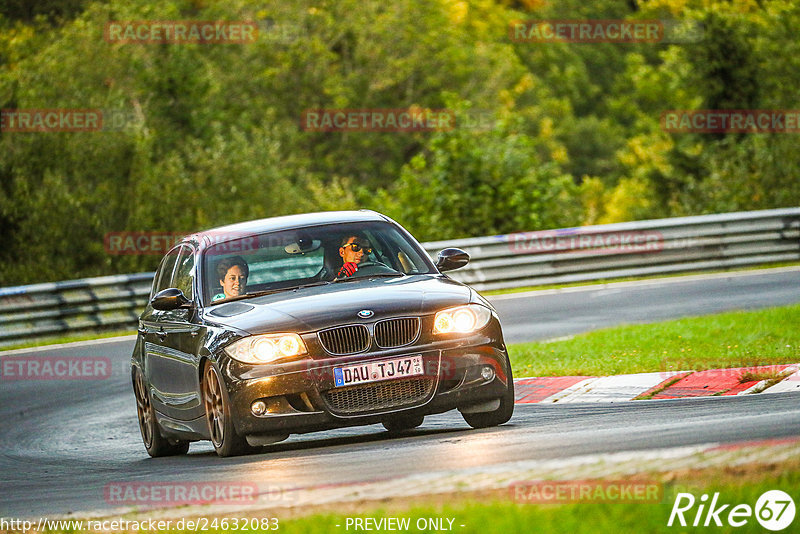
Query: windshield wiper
point(271, 291)
point(367, 277)
point(251, 295)
point(312, 284)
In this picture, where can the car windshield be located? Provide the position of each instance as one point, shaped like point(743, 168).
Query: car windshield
point(246, 265)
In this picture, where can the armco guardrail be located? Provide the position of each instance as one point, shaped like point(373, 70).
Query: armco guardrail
point(45, 310)
point(640, 248)
point(497, 262)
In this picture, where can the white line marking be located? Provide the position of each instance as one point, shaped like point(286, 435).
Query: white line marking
point(640, 283)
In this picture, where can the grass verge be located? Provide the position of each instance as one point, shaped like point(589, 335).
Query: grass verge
point(505, 511)
point(504, 516)
point(732, 339)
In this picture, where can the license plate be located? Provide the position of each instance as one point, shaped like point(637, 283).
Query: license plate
point(377, 371)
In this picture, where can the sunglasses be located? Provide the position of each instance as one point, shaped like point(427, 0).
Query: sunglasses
point(358, 248)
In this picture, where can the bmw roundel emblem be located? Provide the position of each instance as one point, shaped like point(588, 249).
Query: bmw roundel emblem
point(366, 314)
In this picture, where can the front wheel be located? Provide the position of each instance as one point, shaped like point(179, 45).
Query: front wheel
point(496, 417)
point(154, 442)
point(218, 416)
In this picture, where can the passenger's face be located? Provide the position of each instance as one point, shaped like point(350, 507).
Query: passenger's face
point(348, 254)
point(234, 282)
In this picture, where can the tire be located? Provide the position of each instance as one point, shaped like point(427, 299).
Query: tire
point(399, 424)
point(218, 416)
point(498, 416)
point(156, 444)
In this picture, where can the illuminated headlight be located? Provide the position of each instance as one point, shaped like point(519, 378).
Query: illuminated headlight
point(266, 348)
point(463, 319)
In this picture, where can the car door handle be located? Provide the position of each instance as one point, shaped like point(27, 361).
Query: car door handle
point(162, 336)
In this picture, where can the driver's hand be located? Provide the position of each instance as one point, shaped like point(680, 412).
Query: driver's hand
point(348, 269)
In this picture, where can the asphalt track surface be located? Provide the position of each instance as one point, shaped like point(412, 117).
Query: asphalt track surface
point(61, 442)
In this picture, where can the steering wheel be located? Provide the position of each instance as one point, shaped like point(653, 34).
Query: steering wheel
point(364, 265)
point(372, 264)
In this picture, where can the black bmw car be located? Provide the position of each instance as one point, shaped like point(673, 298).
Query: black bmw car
point(310, 322)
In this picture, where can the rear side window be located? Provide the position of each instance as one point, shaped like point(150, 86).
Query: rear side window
point(273, 265)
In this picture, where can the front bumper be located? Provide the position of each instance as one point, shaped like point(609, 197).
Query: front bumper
point(301, 396)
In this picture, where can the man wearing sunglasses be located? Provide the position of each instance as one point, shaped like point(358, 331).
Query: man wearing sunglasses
point(352, 250)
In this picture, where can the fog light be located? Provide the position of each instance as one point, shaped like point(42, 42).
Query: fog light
point(487, 373)
point(259, 407)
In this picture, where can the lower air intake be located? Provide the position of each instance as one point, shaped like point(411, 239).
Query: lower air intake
point(379, 396)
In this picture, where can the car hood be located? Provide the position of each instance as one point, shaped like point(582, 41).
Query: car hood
point(314, 308)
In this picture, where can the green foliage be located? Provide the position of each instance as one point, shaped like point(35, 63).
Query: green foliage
point(751, 172)
point(454, 187)
point(726, 68)
point(214, 134)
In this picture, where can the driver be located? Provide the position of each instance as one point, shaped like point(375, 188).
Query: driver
point(352, 250)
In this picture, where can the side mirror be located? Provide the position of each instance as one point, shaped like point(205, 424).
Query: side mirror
point(451, 258)
point(169, 299)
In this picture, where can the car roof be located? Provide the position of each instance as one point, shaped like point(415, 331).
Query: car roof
point(286, 222)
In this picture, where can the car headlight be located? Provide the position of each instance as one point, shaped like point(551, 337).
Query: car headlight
point(266, 348)
point(461, 319)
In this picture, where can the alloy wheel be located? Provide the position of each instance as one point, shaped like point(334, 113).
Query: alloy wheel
point(215, 408)
point(144, 410)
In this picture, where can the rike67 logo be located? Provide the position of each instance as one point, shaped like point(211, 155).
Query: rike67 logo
point(774, 510)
